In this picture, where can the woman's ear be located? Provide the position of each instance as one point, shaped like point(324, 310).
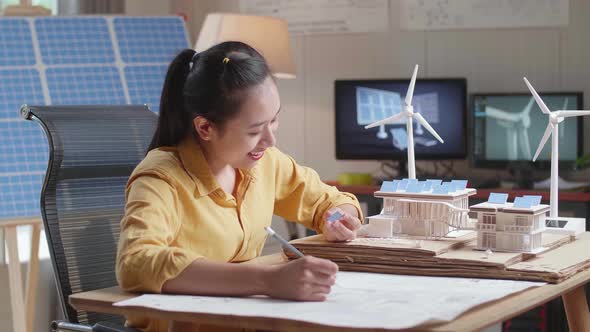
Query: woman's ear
point(204, 128)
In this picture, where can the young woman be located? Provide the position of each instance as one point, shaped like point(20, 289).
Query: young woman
point(211, 181)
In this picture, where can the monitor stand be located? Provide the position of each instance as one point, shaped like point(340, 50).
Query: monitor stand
point(402, 169)
point(522, 173)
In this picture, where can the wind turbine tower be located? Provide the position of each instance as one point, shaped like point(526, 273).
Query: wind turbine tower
point(552, 130)
point(408, 112)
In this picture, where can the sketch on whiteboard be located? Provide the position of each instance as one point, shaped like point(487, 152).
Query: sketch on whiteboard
point(461, 14)
point(324, 16)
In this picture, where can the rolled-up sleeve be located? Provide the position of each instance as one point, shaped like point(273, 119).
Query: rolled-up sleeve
point(146, 258)
point(301, 196)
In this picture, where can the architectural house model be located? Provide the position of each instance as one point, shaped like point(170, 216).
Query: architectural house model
point(432, 209)
point(513, 227)
point(429, 209)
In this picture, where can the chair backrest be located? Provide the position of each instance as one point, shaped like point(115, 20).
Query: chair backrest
point(92, 152)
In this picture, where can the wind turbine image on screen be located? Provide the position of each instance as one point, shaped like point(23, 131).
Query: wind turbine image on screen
point(409, 114)
point(552, 130)
point(517, 128)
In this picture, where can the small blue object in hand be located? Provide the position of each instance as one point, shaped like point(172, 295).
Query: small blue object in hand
point(335, 216)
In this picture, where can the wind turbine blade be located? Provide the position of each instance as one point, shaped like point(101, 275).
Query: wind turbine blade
point(388, 120)
point(410, 92)
point(544, 140)
point(499, 114)
point(567, 114)
point(528, 106)
point(540, 102)
point(426, 125)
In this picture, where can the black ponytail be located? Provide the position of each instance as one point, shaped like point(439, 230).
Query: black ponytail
point(174, 122)
point(213, 87)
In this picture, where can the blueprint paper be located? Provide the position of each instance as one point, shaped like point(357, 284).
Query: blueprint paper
point(361, 300)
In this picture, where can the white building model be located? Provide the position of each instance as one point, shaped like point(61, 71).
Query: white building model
point(429, 209)
point(512, 227)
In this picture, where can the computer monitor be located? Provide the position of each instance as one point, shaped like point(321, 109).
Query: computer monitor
point(506, 129)
point(442, 102)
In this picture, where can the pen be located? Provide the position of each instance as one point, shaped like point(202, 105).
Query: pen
point(283, 242)
point(288, 245)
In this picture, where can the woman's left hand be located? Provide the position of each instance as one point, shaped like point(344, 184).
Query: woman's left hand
point(342, 229)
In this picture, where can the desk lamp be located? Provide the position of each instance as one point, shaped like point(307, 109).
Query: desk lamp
point(268, 35)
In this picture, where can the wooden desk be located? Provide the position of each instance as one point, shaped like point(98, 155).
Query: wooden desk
point(572, 291)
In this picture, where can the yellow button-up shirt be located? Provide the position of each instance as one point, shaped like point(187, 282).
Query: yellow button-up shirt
point(176, 212)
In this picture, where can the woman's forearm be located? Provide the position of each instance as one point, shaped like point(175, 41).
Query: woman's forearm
point(205, 277)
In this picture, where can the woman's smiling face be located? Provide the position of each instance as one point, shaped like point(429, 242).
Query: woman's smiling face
point(242, 140)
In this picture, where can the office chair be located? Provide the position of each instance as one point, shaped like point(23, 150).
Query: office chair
point(92, 152)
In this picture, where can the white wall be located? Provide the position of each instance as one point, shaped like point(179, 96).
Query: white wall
point(492, 60)
point(146, 8)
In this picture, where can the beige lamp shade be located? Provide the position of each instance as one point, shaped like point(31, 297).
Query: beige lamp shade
point(268, 35)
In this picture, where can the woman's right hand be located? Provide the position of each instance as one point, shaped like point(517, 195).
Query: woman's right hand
point(305, 279)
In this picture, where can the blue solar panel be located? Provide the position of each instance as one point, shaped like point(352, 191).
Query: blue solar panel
point(440, 189)
point(534, 199)
point(389, 186)
point(498, 198)
point(18, 86)
point(426, 185)
point(459, 184)
point(521, 202)
point(400, 138)
point(145, 84)
point(82, 65)
point(145, 40)
point(23, 148)
point(16, 43)
point(19, 195)
point(403, 184)
point(85, 86)
point(415, 187)
point(375, 104)
point(74, 40)
point(434, 181)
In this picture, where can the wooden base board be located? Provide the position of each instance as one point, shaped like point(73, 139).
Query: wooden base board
point(564, 256)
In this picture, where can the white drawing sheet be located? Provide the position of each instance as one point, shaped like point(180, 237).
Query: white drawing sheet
point(360, 300)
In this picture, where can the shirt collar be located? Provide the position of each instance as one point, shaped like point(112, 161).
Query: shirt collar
point(193, 160)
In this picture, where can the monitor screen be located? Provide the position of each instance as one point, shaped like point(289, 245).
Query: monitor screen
point(442, 102)
point(507, 128)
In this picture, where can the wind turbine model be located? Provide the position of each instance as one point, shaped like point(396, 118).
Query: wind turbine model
point(516, 124)
point(408, 112)
point(552, 130)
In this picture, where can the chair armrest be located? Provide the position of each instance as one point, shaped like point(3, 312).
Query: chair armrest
point(60, 326)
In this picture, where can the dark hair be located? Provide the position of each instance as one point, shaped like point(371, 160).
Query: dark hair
point(212, 84)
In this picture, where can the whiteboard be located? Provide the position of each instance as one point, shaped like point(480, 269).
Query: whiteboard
point(323, 16)
point(466, 14)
